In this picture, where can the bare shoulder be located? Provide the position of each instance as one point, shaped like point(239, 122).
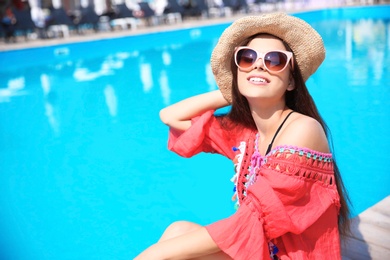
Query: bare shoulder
point(304, 131)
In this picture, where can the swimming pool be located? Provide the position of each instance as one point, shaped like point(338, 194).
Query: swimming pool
point(85, 172)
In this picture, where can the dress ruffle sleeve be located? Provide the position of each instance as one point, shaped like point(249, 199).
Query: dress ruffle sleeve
point(204, 135)
point(241, 236)
point(284, 199)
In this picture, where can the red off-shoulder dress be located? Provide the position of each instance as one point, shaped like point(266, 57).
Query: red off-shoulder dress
point(287, 200)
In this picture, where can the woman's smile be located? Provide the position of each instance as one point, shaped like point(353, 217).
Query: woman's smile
point(258, 80)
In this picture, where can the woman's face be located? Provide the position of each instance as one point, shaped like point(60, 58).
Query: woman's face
point(258, 84)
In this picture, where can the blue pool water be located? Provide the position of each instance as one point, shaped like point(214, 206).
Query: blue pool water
point(84, 168)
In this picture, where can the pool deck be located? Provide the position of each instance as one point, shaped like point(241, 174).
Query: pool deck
point(370, 236)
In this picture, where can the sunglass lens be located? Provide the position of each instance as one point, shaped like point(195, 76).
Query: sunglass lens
point(275, 61)
point(246, 58)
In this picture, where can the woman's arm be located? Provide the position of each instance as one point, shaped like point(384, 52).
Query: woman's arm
point(190, 245)
point(178, 115)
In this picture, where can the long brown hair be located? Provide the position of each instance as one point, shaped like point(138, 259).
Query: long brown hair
point(299, 100)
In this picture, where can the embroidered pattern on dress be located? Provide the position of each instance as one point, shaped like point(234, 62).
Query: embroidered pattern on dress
point(256, 161)
point(310, 154)
point(237, 166)
point(312, 158)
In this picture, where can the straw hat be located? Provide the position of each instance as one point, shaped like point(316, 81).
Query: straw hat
point(305, 42)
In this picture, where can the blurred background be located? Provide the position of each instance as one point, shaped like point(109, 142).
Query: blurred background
point(45, 19)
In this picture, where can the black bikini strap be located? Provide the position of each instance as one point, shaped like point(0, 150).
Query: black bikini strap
point(277, 131)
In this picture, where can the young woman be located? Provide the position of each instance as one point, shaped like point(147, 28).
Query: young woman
point(291, 202)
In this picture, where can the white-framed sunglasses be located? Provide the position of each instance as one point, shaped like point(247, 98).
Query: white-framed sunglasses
point(274, 61)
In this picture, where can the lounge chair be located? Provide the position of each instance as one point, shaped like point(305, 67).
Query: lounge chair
point(58, 16)
point(24, 23)
point(146, 9)
point(148, 13)
point(236, 5)
point(124, 17)
point(2, 34)
point(59, 23)
point(88, 18)
point(174, 7)
point(195, 8)
point(173, 12)
point(122, 11)
point(217, 8)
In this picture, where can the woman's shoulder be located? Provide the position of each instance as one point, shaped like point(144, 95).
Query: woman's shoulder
point(304, 131)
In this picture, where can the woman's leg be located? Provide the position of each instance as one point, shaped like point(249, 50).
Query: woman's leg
point(178, 228)
point(182, 227)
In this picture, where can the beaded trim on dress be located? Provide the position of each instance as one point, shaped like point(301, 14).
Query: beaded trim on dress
point(237, 166)
point(257, 160)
